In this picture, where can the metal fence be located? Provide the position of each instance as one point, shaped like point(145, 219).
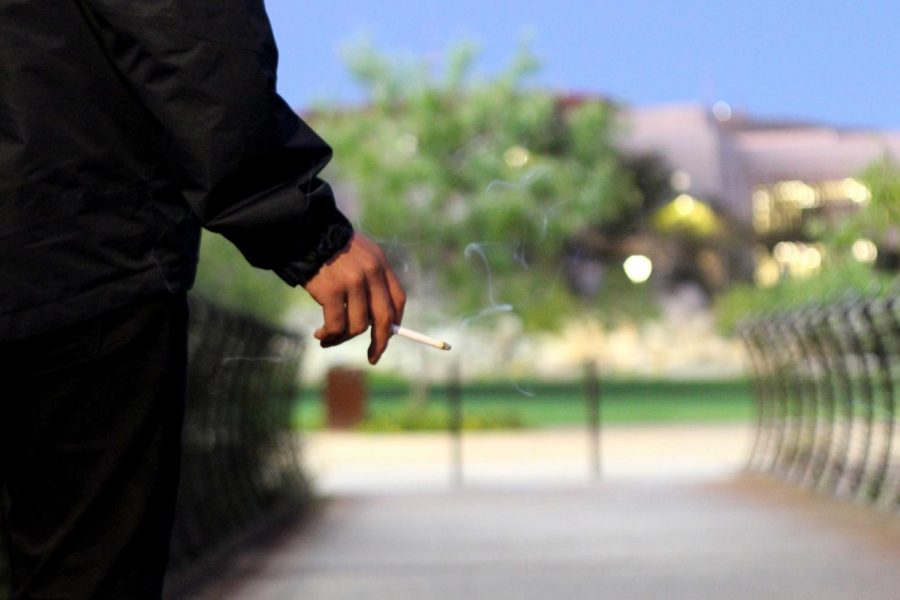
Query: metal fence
point(240, 464)
point(824, 380)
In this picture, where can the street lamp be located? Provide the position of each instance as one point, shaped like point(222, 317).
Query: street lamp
point(638, 268)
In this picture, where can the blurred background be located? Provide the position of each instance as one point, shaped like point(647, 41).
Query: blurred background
point(571, 182)
point(662, 238)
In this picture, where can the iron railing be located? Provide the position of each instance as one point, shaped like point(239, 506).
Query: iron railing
point(240, 464)
point(825, 380)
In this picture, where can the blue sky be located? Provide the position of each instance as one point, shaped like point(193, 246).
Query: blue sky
point(829, 61)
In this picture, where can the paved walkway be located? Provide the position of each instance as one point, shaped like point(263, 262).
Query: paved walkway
point(691, 535)
point(342, 463)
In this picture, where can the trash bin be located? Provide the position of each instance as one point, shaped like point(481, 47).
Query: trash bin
point(345, 397)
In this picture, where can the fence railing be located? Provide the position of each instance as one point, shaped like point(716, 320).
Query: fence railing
point(825, 379)
point(240, 465)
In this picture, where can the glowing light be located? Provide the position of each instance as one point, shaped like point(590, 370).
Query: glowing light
point(638, 268)
point(688, 215)
point(858, 192)
point(762, 210)
point(684, 205)
point(797, 258)
point(767, 273)
point(798, 192)
point(762, 197)
point(785, 252)
point(810, 259)
point(721, 111)
point(865, 251)
point(680, 180)
point(516, 157)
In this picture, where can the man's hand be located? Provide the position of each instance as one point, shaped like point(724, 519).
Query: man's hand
point(357, 288)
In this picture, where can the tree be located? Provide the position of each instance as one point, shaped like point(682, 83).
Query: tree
point(479, 186)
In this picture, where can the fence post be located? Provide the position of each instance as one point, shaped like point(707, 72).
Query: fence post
point(594, 419)
point(455, 424)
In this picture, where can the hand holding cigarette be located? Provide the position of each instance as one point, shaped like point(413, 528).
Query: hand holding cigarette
point(357, 288)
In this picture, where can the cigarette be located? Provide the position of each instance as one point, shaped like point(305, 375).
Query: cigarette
point(420, 337)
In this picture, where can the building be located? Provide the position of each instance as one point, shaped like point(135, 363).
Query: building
point(767, 177)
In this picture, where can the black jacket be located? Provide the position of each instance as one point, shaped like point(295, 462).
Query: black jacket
point(124, 127)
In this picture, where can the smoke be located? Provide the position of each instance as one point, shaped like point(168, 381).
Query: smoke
point(477, 249)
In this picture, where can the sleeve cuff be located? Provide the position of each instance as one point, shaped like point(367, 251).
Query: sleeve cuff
point(292, 229)
point(329, 232)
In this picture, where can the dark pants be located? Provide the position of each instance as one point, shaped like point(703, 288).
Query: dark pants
point(90, 426)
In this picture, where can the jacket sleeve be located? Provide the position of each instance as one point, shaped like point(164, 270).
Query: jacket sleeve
point(247, 164)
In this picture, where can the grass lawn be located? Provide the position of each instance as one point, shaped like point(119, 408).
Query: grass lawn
point(505, 404)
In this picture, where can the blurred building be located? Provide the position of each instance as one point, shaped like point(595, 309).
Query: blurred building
point(767, 178)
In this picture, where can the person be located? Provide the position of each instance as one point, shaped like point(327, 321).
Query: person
point(124, 128)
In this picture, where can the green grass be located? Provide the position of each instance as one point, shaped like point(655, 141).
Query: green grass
point(494, 405)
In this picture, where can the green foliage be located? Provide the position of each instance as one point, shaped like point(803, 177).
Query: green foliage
point(880, 219)
point(844, 279)
point(500, 404)
point(481, 184)
point(413, 416)
point(883, 179)
point(225, 277)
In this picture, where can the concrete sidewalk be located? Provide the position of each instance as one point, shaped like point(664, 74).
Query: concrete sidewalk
point(654, 531)
point(611, 541)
